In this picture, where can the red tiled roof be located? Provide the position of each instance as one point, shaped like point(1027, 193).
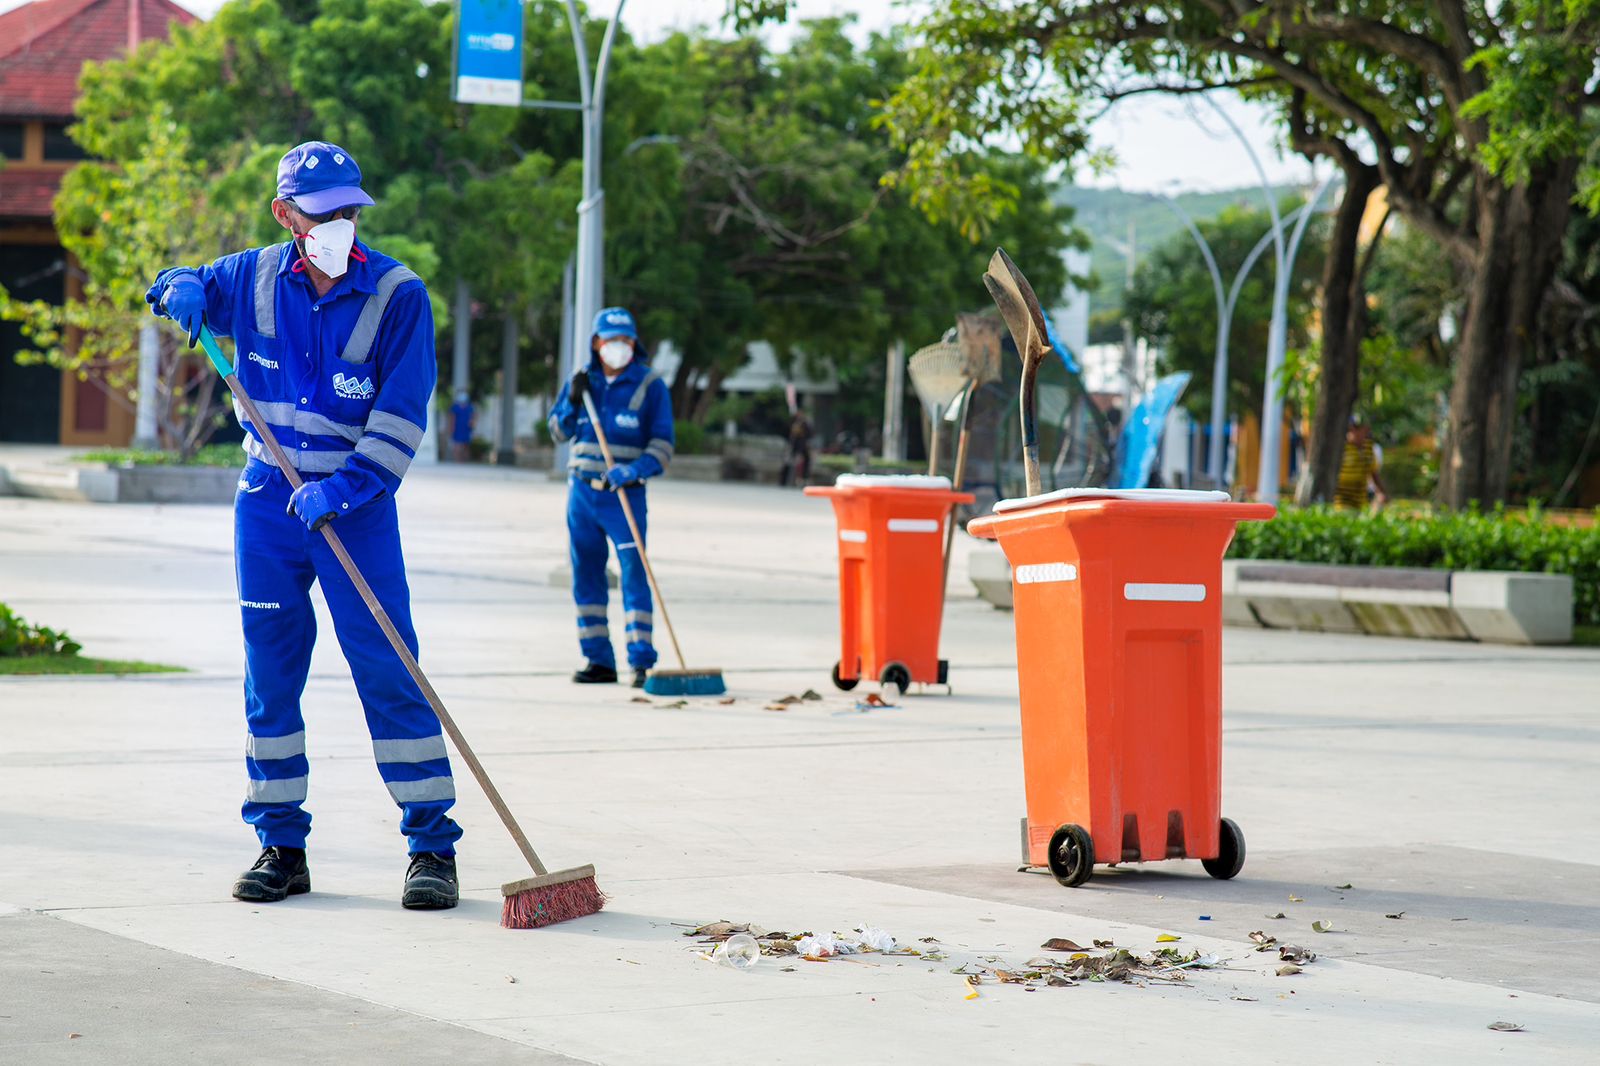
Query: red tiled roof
point(43, 46)
point(27, 193)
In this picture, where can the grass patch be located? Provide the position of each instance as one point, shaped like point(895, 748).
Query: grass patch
point(1586, 636)
point(30, 665)
point(225, 455)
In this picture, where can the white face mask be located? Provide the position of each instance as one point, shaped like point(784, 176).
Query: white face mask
point(616, 354)
point(327, 246)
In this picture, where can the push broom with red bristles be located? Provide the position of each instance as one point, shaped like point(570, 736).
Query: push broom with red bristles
point(544, 899)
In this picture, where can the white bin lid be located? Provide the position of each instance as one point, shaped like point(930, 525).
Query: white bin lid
point(1146, 495)
point(891, 481)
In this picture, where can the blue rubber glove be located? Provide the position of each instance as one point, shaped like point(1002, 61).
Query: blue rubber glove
point(619, 476)
point(182, 298)
point(316, 503)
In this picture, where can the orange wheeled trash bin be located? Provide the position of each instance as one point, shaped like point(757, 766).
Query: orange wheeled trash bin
point(891, 576)
point(1119, 663)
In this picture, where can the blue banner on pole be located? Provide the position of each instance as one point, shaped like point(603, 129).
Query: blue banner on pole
point(489, 52)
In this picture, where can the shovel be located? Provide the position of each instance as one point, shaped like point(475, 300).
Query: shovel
point(1025, 319)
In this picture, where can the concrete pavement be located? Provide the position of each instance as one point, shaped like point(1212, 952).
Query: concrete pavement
point(1453, 783)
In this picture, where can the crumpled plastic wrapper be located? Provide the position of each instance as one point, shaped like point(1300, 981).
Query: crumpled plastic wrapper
point(875, 939)
point(822, 945)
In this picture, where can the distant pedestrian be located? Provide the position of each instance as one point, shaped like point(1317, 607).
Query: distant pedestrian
point(1358, 469)
point(797, 467)
point(463, 416)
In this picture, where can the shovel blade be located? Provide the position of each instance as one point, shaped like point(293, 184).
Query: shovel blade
point(1018, 306)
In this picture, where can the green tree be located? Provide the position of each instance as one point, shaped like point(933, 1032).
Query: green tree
point(1471, 115)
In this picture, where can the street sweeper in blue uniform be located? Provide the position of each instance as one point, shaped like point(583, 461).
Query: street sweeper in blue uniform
point(335, 346)
point(636, 412)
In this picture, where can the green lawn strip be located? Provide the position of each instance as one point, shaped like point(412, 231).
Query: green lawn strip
point(1586, 636)
point(18, 665)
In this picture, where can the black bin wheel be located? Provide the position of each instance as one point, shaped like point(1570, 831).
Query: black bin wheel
point(842, 683)
point(1230, 854)
point(897, 675)
point(1071, 855)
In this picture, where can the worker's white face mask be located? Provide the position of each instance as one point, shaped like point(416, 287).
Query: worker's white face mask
point(616, 354)
point(327, 246)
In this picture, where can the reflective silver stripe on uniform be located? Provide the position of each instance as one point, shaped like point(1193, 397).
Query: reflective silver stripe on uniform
point(277, 414)
point(385, 455)
point(359, 346)
point(639, 636)
point(420, 749)
point(586, 466)
point(644, 387)
point(285, 747)
point(283, 790)
point(589, 632)
point(663, 451)
point(591, 610)
point(640, 617)
point(268, 261)
point(591, 450)
point(311, 422)
point(403, 430)
point(308, 462)
point(557, 434)
point(428, 790)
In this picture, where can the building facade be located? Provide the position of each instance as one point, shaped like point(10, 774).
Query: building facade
point(43, 47)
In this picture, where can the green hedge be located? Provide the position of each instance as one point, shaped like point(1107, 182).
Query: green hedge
point(18, 638)
point(210, 455)
point(1467, 540)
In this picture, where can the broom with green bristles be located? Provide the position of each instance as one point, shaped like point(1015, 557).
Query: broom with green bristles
point(540, 900)
point(682, 681)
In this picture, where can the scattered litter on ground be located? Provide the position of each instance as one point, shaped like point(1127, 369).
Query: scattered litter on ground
point(1295, 899)
point(870, 702)
point(510, 979)
point(1205, 917)
point(787, 700)
point(1262, 941)
point(1296, 954)
point(726, 701)
point(1321, 927)
point(1275, 917)
point(776, 707)
point(640, 699)
point(1506, 1027)
point(1167, 938)
point(1246, 999)
point(811, 695)
point(1289, 970)
point(1396, 914)
point(742, 943)
point(1341, 888)
point(674, 705)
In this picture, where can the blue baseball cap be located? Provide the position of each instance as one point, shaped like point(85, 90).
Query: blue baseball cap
point(615, 322)
point(320, 177)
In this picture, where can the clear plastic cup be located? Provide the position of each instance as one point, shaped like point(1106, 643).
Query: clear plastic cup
point(741, 951)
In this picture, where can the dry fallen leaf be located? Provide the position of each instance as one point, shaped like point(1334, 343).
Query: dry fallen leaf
point(1057, 943)
point(1287, 970)
point(1499, 1027)
point(1167, 938)
point(674, 705)
point(1340, 888)
point(1397, 914)
point(727, 701)
point(640, 699)
point(1104, 944)
point(1280, 914)
point(810, 694)
point(1246, 999)
point(1295, 899)
point(1322, 927)
point(775, 707)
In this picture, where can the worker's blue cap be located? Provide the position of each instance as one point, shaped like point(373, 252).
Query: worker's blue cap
point(615, 322)
point(320, 177)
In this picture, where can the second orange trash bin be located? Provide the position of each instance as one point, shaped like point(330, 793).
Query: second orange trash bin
point(1119, 662)
point(891, 576)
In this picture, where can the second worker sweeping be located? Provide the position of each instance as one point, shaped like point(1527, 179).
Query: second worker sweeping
point(634, 404)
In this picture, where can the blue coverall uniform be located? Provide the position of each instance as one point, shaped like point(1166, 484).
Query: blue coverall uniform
point(637, 412)
point(344, 381)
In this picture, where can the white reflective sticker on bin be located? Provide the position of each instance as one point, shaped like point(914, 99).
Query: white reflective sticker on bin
point(1046, 573)
point(914, 525)
point(853, 536)
point(1164, 593)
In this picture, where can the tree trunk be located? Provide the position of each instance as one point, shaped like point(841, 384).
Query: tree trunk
point(1519, 232)
point(1344, 327)
point(708, 396)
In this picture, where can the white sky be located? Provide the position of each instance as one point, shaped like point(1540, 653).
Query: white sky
point(1162, 144)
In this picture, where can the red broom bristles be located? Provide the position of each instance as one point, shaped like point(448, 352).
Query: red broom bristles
point(537, 907)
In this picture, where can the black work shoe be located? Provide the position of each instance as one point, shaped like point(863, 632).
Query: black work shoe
point(638, 678)
point(596, 674)
point(430, 882)
point(279, 872)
